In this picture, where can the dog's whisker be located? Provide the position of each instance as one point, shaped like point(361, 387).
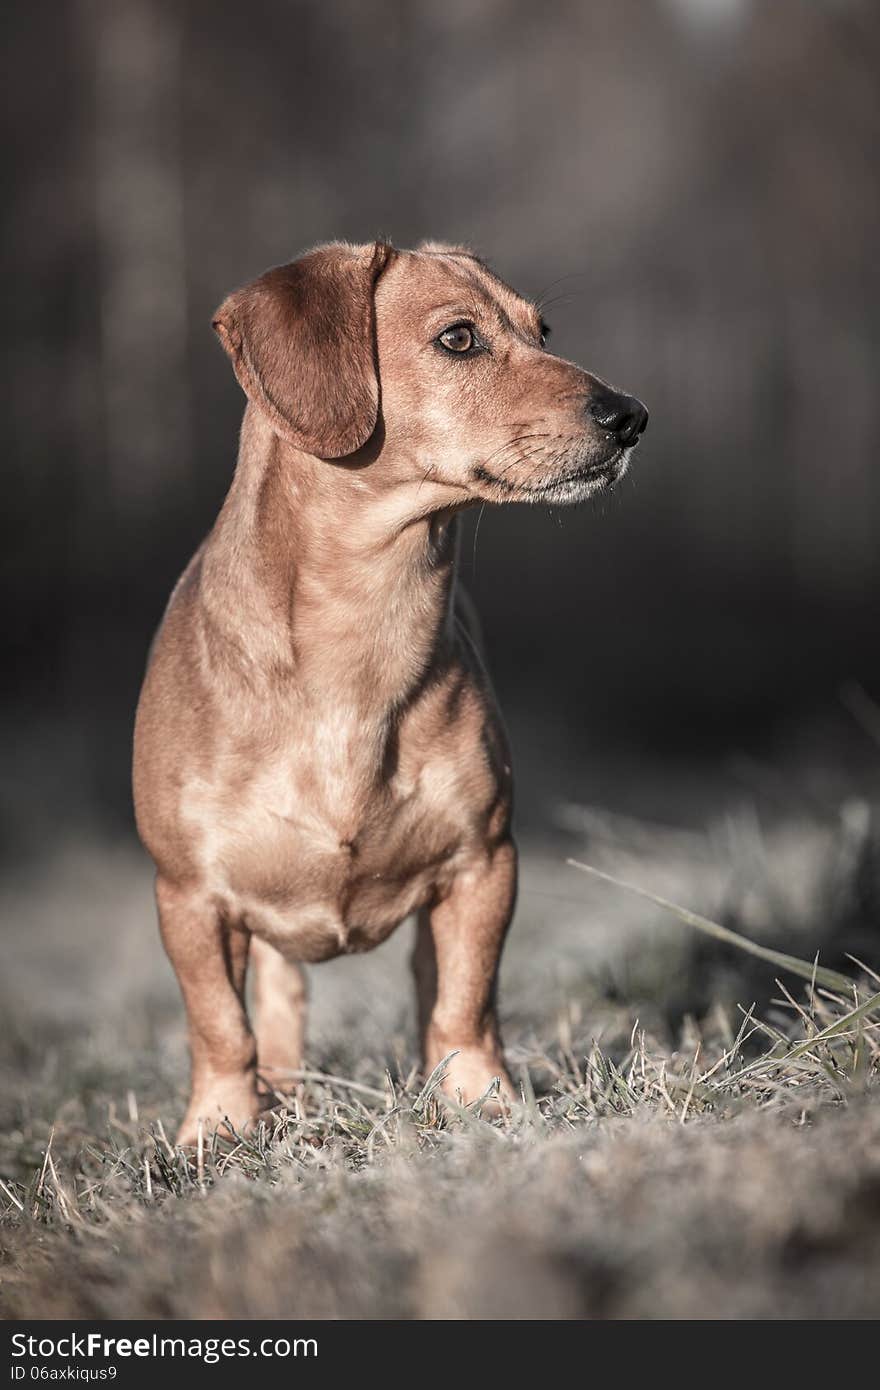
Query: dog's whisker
point(545, 299)
point(512, 443)
point(498, 455)
point(476, 533)
point(565, 297)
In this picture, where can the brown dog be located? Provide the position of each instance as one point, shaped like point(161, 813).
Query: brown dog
point(317, 750)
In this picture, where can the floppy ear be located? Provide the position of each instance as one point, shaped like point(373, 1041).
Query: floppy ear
point(301, 340)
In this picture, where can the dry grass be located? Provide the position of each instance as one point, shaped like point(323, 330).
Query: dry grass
point(679, 1152)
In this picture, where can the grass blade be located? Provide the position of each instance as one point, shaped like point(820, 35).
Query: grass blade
point(434, 1082)
point(840, 1025)
point(807, 970)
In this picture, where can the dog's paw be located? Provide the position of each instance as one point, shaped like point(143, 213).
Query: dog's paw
point(471, 1072)
point(229, 1109)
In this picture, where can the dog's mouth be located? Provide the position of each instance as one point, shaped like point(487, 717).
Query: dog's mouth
point(584, 480)
point(581, 480)
point(575, 485)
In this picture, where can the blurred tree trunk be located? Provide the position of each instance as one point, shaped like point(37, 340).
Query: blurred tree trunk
point(141, 251)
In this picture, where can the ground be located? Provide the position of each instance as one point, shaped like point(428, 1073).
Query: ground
point(687, 1145)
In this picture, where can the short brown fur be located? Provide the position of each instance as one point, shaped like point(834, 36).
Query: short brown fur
point(318, 754)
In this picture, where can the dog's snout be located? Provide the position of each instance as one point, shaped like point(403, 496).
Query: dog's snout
point(623, 416)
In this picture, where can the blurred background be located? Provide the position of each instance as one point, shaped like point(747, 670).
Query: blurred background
point(690, 185)
point(690, 668)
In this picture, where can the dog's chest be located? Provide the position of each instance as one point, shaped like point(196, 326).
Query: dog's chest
point(337, 836)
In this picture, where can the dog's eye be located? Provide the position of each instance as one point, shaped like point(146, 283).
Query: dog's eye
point(459, 338)
point(544, 331)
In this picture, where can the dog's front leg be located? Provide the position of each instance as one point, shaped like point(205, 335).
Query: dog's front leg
point(455, 962)
point(210, 959)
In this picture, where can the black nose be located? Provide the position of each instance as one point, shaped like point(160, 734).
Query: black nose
point(621, 415)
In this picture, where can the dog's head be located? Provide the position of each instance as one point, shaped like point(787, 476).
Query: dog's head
point(429, 370)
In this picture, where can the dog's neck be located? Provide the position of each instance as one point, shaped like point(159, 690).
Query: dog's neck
point(317, 579)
